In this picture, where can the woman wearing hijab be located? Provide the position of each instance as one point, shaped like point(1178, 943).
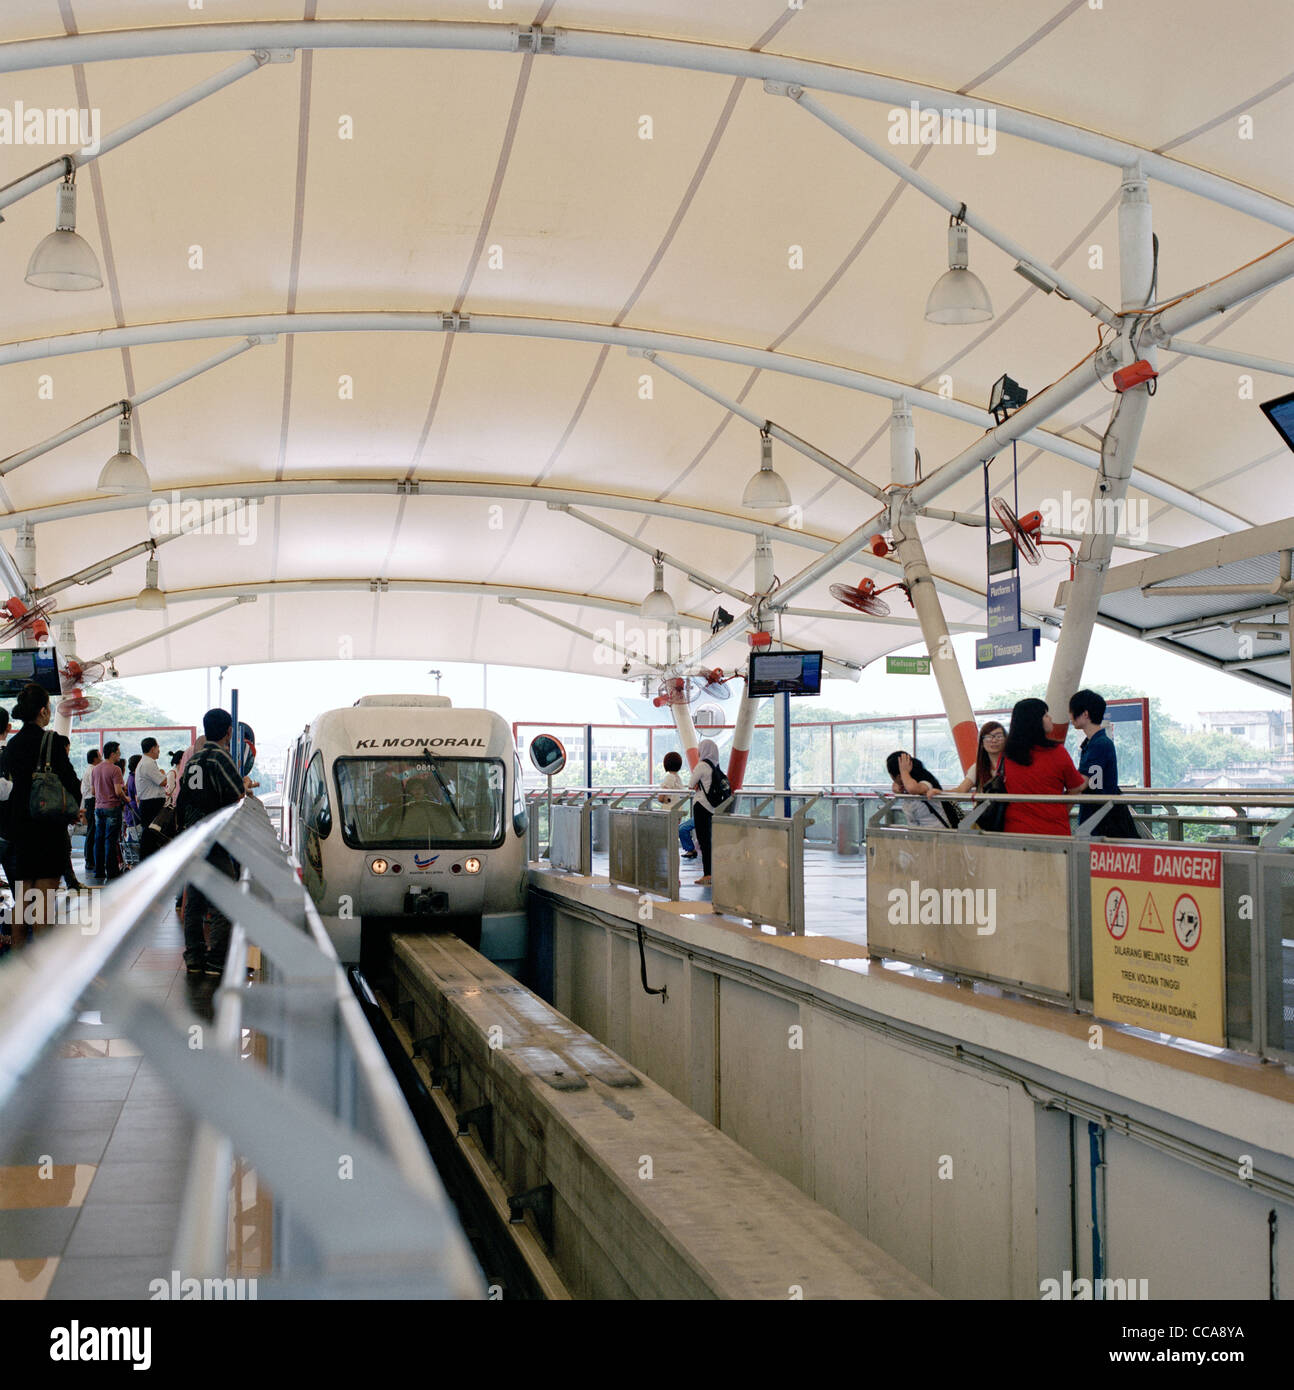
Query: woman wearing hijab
point(707, 764)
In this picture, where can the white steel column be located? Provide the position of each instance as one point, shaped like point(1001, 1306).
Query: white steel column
point(24, 554)
point(66, 652)
point(681, 712)
point(934, 628)
point(921, 585)
point(743, 733)
point(1118, 449)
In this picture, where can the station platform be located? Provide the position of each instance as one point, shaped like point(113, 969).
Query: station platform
point(1069, 1143)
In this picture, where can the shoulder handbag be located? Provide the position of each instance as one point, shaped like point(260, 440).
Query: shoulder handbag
point(994, 817)
point(50, 800)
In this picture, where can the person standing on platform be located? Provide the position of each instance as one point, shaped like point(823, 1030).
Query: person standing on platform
point(1099, 763)
point(709, 778)
point(109, 801)
point(69, 871)
point(150, 791)
point(208, 781)
point(92, 759)
point(37, 843)
point(1033, 763)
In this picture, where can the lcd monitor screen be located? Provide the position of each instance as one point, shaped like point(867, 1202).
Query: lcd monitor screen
point(21, 666)
point(1281, 413)
point(785, 673)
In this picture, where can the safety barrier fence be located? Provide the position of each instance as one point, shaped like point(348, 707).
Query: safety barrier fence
point(831, 753)
point(643, 843)
point(358, 1207)
point(1189, 938)
point(758, 861)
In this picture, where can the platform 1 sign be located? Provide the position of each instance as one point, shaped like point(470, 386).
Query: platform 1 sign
point(1157, 949)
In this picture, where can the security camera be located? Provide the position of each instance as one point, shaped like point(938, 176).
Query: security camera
point(624, 670)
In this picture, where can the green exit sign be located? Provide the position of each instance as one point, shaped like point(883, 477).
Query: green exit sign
point(907, 665)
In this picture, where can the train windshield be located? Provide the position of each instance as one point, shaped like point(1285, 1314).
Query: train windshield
point(419, 801)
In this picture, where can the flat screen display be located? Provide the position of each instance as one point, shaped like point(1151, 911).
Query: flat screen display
point(21, 666)
point(785, 673)
point(1281, 413)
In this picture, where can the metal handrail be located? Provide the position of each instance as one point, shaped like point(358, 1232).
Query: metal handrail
point(393, 1223)
point(41, 985)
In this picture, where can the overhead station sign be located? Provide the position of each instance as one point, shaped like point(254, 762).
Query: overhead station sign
point(1157, 949)
point(907, 665)
point(1006, 648)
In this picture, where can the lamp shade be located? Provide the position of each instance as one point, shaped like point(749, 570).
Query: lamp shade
point(64, 260)
point(150, 598)
point(958, 295)
point(767, 490)
point(124, 473)
point(658, 607)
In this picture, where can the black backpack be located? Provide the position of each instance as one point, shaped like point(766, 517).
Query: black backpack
point(720, 788)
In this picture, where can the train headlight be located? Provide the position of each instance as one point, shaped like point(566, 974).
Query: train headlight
point(379, 866)
point(473, 866)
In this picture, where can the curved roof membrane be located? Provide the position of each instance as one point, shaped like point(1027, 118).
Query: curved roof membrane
point(424, 248)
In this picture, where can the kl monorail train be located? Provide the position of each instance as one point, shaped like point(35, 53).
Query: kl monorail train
point(403, 812)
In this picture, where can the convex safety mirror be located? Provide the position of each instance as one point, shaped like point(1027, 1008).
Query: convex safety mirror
point(547, 754)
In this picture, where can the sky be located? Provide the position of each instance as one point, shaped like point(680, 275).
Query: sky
point(278, 699)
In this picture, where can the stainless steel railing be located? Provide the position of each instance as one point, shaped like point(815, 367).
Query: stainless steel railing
point(359, 1209)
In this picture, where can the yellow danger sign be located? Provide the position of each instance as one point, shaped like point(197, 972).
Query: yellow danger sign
point(1157, 949)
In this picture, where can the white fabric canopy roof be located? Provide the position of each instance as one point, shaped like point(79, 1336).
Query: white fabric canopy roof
point(370, 176)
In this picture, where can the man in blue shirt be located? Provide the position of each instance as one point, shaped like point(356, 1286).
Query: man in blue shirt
point(1099, 763)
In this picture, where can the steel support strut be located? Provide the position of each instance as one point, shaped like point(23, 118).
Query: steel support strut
point(943, 659)
point(1118, 449)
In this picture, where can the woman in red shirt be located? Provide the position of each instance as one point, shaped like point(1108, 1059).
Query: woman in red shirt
point(1033, 763)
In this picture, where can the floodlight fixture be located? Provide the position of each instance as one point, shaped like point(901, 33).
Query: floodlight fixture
point(1006, 396)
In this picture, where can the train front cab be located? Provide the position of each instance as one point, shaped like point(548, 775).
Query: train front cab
point(382, 851)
